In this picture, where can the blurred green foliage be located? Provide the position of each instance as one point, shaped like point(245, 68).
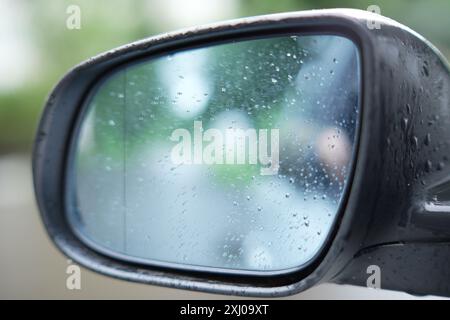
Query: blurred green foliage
point(106, 24)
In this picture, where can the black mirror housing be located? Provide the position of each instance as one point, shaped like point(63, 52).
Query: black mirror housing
point(396, 213)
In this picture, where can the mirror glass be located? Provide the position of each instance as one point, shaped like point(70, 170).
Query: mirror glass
point(234, 156)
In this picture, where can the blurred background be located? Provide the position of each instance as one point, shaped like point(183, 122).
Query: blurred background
point(37, 48)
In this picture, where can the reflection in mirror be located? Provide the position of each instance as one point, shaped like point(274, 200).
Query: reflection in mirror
point(234, 156)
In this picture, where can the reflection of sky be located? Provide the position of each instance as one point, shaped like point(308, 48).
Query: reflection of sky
point(332, 62)
point(222, 215)
point(184, 75)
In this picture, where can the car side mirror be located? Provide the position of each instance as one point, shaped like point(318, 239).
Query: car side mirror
point(255, 157)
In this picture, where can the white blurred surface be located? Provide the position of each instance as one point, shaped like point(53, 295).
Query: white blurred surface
point(15, 59)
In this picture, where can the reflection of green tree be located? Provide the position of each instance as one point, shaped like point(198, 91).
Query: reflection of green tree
point(104, 124)
point(251, 76)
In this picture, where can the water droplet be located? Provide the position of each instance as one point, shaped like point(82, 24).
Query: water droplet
point(111, 123)
point(274, 80)
point(408, 108)
point(405, 124)
point(428, 139)
point(425, 70)
point(428, 166)
point(415, 142)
